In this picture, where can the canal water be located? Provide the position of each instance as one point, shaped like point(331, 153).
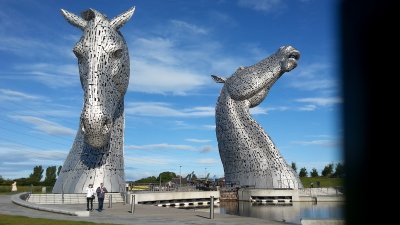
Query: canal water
point(292, 213)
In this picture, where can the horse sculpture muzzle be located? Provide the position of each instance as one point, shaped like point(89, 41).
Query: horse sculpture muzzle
point(96, 126)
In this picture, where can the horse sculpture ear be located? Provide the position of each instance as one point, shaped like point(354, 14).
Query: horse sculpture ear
point(118, 21)
point(218, 79)
point(74, 19)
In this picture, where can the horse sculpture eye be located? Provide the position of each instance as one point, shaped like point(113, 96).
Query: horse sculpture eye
point(117, 54)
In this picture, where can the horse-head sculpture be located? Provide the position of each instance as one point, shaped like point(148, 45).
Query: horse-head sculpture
point(103, 61)
point(252, 83)
point(248, 155)
point(97, 154)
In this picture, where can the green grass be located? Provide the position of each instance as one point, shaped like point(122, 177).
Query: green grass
point(23, 220)
point(324, 181)
point(36, 189)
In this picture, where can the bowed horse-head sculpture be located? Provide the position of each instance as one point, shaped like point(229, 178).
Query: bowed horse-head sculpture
point(248, 154)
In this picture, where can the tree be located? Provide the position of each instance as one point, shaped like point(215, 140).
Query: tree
point(50, 179)
point(339, 170)
point(328, 170)
point(37, 175)
point(59, 170)
point(151, 179)
point(303, 172)
point(166, 176)
point(314, 173)
point(294, 167)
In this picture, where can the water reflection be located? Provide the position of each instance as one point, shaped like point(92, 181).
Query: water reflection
point(289, 213)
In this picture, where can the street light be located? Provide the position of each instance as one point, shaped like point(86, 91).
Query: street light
point(180, 176)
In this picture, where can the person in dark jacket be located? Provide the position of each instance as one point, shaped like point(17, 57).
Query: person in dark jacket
point(100, 196)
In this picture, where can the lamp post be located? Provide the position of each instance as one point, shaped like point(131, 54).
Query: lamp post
point(180, 176)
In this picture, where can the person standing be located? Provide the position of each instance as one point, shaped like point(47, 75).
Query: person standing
point(100, 195)
point(89, 197)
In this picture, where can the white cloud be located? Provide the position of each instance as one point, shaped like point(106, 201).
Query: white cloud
point(209, 127)
point(166, 146)
point(52, 75)
point(197, 140)
point(152, 77)
point(46, 126)
point(321, 101)
point(320, 142)
point(18, 160)
point(10, 95)
point(311, 84)
point(159, 147)
point(12, 153)
point(312, 77)
point(188, 27)
point(264, 110)
point(147, 160)
point(207, 161)
point(183, 125)
point(308, 108)
point(158, 109)
point(205, 149)
point(169, 62)
point(156, 49)
point(200, 111)
point(261, 5)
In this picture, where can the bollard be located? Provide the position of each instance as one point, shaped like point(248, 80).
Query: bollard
point(110, 201)
point(212, 207)
point(133, 204)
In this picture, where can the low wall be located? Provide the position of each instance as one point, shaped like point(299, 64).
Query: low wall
point(160, 196)
point(244, 194)
point(17, 199)
point(322, 222)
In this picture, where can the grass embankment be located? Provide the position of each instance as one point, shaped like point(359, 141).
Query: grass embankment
point(323, 181)
point(23, 220)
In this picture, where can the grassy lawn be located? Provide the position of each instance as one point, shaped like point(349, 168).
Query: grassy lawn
point(23, 220)
point(324, 181)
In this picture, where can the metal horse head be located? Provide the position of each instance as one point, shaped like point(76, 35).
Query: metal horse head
point(247, 153)
point(104, 72)
point(253, 83)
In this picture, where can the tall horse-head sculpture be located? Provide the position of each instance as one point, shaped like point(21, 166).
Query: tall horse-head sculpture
point(104, 71)
point(97, 153)
point(247, 153)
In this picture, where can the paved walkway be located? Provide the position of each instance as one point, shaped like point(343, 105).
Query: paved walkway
point(144, 214)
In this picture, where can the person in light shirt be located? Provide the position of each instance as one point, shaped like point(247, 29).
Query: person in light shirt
point(89, 197)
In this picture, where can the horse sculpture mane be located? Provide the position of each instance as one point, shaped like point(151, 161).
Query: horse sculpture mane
point(248, 155)
point(97, 152)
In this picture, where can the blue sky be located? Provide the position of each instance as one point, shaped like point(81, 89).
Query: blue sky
point(174, 47)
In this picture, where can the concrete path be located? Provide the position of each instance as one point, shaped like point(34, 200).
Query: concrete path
point(144, 214)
